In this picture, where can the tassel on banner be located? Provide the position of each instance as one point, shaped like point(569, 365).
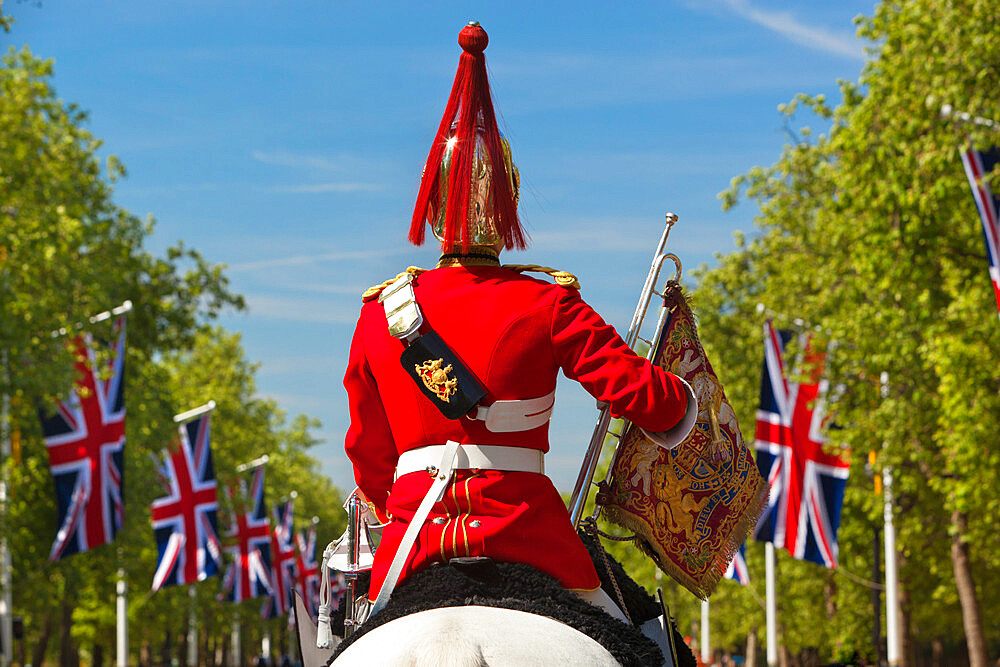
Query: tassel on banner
point(720, 446)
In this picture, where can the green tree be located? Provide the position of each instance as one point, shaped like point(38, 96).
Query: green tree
point(67, 251)
point(869, 234)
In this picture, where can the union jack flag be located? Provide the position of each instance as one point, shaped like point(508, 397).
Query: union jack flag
point(738, 567)
point(249, 570)
point(307, 571)
point(282, 563)
point(85, 439)
point(806, 483)
point(185, 520)
point(978, 164)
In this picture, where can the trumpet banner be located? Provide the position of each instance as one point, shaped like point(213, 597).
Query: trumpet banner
point(691, 507)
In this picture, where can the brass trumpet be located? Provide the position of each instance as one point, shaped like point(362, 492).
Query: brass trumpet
point(632, 337)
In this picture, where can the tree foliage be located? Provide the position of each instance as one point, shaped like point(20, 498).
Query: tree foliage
point(868, 237)
point(67, 252)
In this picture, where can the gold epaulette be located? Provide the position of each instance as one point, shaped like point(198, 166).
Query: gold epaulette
point(373, 292)
point(564, 278)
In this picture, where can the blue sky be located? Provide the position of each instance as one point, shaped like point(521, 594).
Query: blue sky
point(285, 140)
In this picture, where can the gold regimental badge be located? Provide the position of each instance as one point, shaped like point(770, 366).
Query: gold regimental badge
point(436, 378)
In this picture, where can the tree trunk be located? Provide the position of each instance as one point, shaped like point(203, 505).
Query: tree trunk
point(907, 650)
point(784, 656)
point(907, 647)
point(38, 654)
point(937, 652)
point(830, 595)
point(165, 652)
point(182, 649)
point(751, 660)
point(68, 655)
point(98, 659)
point(971, 617)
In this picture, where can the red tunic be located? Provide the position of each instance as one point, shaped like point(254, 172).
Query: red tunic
point(514, 333)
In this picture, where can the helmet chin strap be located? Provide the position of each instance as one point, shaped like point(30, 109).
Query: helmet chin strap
point(473, 249)
point(475, 255)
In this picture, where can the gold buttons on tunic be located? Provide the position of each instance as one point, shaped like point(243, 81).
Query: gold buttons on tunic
point(475, 523)
point(438, 520)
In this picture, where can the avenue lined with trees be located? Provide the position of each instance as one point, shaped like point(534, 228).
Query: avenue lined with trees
point(867, 237)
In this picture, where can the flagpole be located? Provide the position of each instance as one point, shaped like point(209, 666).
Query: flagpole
point(192, 635)
point(771, 609)
point(192, 638)
point(265, 644)
point(6, 608)
point(126, 307)
point(234, 637)
point(235, 658)
point(891, 575)
point(257, 462)
point(121, 643)
point(947, 111)
point(706, 649)
point(195, 412)
point(891, 600)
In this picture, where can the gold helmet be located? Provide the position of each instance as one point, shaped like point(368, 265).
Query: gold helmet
point(481, 222)
point(469, 188)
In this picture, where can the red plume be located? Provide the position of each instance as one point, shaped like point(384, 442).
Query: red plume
point(470, 99)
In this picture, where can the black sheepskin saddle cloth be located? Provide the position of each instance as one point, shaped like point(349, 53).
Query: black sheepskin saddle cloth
point(511, 586)
point(523, 588)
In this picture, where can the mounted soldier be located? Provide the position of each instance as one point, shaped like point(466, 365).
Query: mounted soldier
point(452, 372)
point(451, 384)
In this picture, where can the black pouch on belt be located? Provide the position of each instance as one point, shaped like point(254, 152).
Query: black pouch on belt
point(441, 375)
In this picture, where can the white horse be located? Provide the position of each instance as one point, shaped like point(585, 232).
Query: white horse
point(474, 636)
point(479, 635)
point(468, 636)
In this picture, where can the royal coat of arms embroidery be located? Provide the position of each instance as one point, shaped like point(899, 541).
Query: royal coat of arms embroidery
point(436, 378)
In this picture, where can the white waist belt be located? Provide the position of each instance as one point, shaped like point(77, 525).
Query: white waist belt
point(441, 462)
point(478, 457)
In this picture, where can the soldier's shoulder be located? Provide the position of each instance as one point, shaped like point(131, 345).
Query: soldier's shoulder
point(561, 278)
point(374, 291)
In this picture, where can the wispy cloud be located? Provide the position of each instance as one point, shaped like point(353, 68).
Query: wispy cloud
point(317, 162)
point(596, 235)
point(787, 25)
point(297, 260)
point(322, 364)
point(299, 403)
point(325, 288)
point(298, 160)
point(318, 167)
point(304, 188)
point(615, 80)
point(314, 188)
point(141, 190)
point(300, 310)
point(586, 240)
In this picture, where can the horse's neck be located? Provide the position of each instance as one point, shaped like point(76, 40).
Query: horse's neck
point(475, 637)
